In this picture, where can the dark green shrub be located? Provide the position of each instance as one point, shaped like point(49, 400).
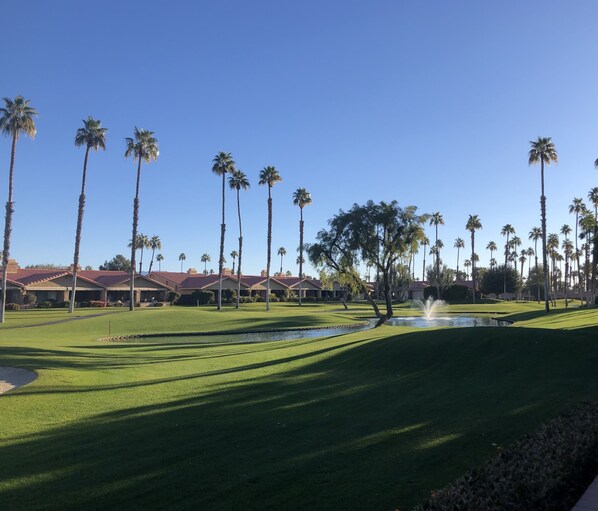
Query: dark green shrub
point(455, 293)
point(29, 299)
point(62, 305)
point(549, 469)
point(82, 304)
point(12, 307)
point(45, 305)
point(173, 297)
point(430, 291)
point(274, 299)
point(158, 304)
point(494, 278)
point(203, 297)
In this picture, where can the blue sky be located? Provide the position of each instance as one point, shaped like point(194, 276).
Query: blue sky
point(429, 103)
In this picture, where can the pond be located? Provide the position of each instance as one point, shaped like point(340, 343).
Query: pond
point(454, 321)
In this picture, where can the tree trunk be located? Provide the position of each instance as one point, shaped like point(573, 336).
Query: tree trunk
point(269, 247)
point(457, 276)
point(8, 225)
point(240, 249)
point(424, 265)
point(473, 263)
point(134, 237)
point(506, 262)
point(300, 253)
point(140, 259)
point(221, 258)
point(78, 233)
point(151, 261)
point(544, 258)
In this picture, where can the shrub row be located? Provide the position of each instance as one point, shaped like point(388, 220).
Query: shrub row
point(12, 307)
point(549, 470)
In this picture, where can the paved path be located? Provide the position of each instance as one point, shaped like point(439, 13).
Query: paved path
point(589, 500)
point(13, 377)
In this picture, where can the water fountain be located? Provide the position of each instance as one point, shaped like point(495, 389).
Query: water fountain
point(430, 306)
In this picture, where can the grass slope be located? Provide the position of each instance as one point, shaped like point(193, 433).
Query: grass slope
point(368, 420)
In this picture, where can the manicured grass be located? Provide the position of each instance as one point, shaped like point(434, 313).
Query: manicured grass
point(368, 420)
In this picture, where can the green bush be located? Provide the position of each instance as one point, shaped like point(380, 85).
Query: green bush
point(549, 469)
point(203, 297)
point(12, 307)
point(62, 305)
point(455, 293)
point(29, 299)
point(45, 305)
point(173, 297)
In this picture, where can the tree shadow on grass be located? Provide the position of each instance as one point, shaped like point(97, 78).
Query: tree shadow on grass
point(373, 424)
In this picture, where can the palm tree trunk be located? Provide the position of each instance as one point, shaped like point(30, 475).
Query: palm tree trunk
point(133, 238)
point(240, 249)
point(300, 253)
point(424, 265)
point(537, 272)
point(281, 263)
point(221, 258)
point(8, 225)
point(181, 266)
point(473, 263)
point(544, 259)
point(151, 261)
point(140, 259)
point(506, 262)
point(269, 255)
point(457, 262)
point(78, 233)
point(577, 256)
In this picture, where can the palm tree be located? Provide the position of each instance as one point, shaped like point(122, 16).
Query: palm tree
point(492, 247)
point(515, 243)
point(577, 207)
point(467, 264)
point(16, 118)
point(281, 252)
point(530, 253)
point(238, 181)
point(269, 176)
point(234, 254)
point(588, 224)
point(425, 243)
point(552, 245)
point(566, 231)
point(182, 258)
point(92, 136)
point(472, 225)
point(459, 244)
point(205, 259)
point(536, 234)
point(436, 220)
point(222, 163)
point(159, 258)
point(506, 231)
point(543, 151)
point(593, 198)
point(144, 242)
point(522, 259)
point(143, 147)
point(155, 244)
point(301, 198)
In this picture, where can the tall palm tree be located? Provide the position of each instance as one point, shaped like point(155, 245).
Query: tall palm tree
point(16, 118)
point(301, 198)
point(593, 198)
point(281, 252)
point(459, 244)
point(238, 181)
point(544, 152)
point(159, 258)
point(588, 224)
point(535, 235)
point(182, 258)
point(223, 163)
point(205, 259)
point(425, 243)
point(507, 230)
point(552, 245)
point(522, 259)
point(492, 247)
point(269, 176)
point(577, 207)
point(473, 224)
point(143, 147)
point(92, 136)
point(234, 254)
point(566, 231)
point(436, 220)
point(467, 264)
point(530, 253)
point(155, 244)
point(144, 243)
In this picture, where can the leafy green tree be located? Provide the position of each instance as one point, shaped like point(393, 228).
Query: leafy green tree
point(444, 278)
point(543, 151)
point(16, 118)
point(473, 224)
point(493, 280)
point(223, 163)
point(269, 176)
point(301, 198)
point(118, 263)
point(238, 181)
point(143, 147)
point(92, 136)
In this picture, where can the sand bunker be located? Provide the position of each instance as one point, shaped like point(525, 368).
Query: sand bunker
point(13, 377)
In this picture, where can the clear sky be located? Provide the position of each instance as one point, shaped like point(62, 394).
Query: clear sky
point(429, 103)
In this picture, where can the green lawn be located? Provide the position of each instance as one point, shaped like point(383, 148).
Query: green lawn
point(368, 420)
